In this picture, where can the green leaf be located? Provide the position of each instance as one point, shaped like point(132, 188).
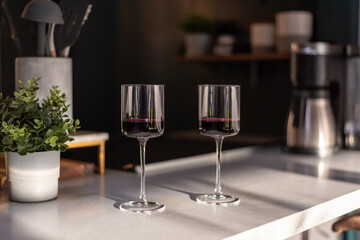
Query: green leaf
point(53, 140)
point(6, 140)
point(71, 131)
point(49, 133)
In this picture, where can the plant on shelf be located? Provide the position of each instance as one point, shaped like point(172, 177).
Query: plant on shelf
point(33, 131)
point(196, 24)
point(198, 30)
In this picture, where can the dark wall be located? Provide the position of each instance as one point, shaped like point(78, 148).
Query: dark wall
point(26, 32)
point(337, 21)
point(96, 71)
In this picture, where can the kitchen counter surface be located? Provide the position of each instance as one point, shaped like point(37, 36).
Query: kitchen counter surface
point(276, 201)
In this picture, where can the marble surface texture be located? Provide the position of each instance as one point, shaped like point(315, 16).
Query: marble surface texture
point(276, 201)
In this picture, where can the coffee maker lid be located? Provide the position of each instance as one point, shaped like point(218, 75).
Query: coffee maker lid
point(317, 48)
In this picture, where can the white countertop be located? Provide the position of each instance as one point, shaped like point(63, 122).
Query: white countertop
point(275, 204)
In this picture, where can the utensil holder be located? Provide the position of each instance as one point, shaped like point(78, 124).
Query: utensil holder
point(51, 70)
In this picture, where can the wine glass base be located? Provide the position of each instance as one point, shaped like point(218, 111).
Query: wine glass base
point(218, 199)
point(142, 207)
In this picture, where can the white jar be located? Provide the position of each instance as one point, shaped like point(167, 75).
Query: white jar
point(262, 37)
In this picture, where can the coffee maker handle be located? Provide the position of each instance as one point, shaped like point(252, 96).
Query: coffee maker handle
point(297, 109)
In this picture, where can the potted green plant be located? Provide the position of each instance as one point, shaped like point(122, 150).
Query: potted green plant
point(197, 39)
point(32, 136)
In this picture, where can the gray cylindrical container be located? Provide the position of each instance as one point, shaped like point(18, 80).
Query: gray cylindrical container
point(33, 177)
point(51, 70)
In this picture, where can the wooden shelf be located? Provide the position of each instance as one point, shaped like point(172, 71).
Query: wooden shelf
point(235, 58)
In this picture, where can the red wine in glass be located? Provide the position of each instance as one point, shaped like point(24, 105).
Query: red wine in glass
point(142, 127)
point(142, 117)
point(219, 117)
point(224, 127)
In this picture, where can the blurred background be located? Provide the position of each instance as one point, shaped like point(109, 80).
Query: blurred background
point(140, 41)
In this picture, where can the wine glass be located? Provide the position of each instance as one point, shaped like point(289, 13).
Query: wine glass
point(142, 117)
point(219, 117)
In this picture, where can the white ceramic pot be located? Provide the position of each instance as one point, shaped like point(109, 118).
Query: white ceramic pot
point(33, 177)
point(197, 44)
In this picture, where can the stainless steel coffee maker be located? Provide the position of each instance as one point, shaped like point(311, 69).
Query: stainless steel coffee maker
point(352, 99)
point(312, 125)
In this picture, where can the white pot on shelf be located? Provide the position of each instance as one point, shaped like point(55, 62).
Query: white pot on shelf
point(33, 177)
point(262, 37)
point(197, 44)
point(292, 26)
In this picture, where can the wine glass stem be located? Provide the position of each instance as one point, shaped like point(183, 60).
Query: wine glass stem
point(218, 141)
point(142, 143)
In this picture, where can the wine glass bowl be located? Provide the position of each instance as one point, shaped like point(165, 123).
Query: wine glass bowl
point(142, 117)
point(219, 117)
